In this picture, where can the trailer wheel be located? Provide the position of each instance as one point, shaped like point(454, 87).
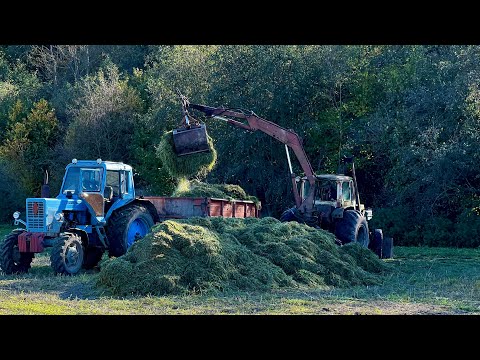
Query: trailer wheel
point(376, 243)
point(352, 227)
point(126, 226)
point(67, 254)
point(12, 260)
point(92, 257)
point(387, 248)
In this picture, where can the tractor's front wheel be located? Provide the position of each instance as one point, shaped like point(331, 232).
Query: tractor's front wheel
point(352, 227)
point(126, 226)
point(12, 260)
point(67, 254)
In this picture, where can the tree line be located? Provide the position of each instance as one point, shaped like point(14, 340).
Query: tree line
point(410, 115)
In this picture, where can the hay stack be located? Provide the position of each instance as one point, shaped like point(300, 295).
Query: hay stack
point(186, 166)
point(205, 254)
point(195, 188)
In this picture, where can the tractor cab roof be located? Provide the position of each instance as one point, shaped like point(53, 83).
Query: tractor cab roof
point(108, 165)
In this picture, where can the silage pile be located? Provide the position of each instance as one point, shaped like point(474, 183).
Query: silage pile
point(185, 166)
point(205, 254)
point(195, 188)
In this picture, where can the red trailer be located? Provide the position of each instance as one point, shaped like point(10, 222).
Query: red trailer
point(187, 207)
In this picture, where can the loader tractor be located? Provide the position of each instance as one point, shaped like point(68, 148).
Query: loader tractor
point(327, 201)
point(96, 211)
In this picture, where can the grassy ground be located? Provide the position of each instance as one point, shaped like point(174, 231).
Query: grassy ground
point(425, 281)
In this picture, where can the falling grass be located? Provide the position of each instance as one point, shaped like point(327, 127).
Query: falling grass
point(196, 165)
point(217, 254)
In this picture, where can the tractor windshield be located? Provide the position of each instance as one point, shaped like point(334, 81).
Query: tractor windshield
point(78, 180)
point(327, 190)
point(72, 182)
point(91, 179)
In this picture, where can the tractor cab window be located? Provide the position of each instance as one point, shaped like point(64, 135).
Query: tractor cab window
point(124, 182)
point(72, 181)
point(327, 190)
point(346, 191)
point(91, 179)
point(113, 181)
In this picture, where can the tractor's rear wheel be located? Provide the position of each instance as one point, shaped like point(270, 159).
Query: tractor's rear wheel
point(12, 260)
point(67, 254)
point(352, 227)
point(126, 226)
point(92, 257)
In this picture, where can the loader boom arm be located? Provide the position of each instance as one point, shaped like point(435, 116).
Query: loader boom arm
point(287, 137)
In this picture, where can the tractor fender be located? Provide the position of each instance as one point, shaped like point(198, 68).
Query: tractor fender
point(150, 207)
point(141, 202)
point(117, 205)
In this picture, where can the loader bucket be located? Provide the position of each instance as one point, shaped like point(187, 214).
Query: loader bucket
point(190, 140)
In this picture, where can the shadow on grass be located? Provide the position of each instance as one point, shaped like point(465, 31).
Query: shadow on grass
point(41, 279)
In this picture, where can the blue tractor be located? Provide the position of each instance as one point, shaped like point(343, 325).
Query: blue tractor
point(95, 211)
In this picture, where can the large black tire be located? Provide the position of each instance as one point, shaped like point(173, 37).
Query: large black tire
point(12, 260)
point(352, 227)
point(67, 254)
point(376, 243)
point(119, 224)
point(92, 257)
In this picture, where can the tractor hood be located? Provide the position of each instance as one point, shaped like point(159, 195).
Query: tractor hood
point(41, 212)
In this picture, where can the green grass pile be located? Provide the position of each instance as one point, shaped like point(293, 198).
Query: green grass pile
point(195, 188)
point(211, 254)
point(186, 166)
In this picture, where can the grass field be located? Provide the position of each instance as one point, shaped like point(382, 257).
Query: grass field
point(424, 281)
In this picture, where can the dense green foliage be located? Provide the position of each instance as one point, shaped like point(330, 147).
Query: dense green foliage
point(409, 114)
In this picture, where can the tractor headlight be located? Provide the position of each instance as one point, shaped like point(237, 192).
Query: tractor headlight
point(59, 216)
point(16, 215)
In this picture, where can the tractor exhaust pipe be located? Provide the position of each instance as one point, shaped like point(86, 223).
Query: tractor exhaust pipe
point(45, 187)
